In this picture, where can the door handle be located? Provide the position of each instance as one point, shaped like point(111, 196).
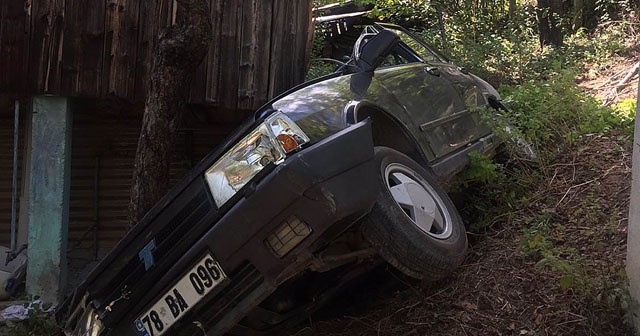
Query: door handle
point(434, 71)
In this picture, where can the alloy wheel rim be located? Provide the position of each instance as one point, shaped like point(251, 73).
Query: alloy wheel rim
point(418, 201)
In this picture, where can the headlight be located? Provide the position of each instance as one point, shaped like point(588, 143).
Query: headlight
point(268, 143)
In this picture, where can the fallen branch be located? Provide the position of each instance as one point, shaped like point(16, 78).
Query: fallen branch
point(622, 82)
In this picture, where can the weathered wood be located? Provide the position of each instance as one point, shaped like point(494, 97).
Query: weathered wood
point(101, 48)
point(214, 59)
point(13, 46)
point(154, 15)
point(230, 45)
point(121, 47)
point(254, 52)
point(82, 56)
point(277, 26)
point(289, 31)
point(46, 42)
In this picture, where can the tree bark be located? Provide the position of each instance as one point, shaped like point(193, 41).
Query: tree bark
point(441, 25)
point(512, 9)
point(548, 14)
point(180, 49)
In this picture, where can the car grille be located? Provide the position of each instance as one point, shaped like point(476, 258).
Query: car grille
point(244, 281)
point(172, 240)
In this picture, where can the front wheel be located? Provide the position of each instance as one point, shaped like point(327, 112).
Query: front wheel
point(414, 225)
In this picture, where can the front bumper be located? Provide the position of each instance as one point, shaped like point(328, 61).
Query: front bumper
point(320, 186)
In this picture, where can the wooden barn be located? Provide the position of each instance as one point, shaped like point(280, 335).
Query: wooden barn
point(89, 61)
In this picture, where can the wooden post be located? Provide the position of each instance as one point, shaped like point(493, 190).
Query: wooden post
point(633, 234)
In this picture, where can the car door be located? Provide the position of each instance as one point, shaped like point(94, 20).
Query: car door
point(440, 97)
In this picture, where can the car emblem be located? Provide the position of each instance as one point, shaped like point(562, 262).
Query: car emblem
point(146, 255)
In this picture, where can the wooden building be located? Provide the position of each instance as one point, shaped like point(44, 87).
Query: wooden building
point(98, 54)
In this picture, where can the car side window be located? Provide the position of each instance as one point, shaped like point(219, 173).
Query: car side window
point(394, 58)
point(418, 48)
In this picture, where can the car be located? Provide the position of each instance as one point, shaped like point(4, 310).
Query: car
point(319, 186)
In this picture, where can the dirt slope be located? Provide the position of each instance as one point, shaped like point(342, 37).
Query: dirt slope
point(554, 267)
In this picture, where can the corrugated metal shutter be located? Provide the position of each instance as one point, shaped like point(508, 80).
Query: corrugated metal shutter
point(6, 174)
point(103, 150)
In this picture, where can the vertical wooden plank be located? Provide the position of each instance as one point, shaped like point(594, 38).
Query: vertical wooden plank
point(214, 56)
point(46, 43)
point(254, 58)
point(229, 41)
point(13, 40)
point(276, 54)
point(198, 90)
point(2, 10)
point(288, 44)
point(153, 17)
point(83, 49)
point(303, 39)
point(120, 48)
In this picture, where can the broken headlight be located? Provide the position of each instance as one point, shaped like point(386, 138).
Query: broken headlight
point(268, 143)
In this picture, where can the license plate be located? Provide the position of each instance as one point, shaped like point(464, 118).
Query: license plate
point(180, 298)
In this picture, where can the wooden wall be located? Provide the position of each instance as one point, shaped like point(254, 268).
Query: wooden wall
point(99, 48)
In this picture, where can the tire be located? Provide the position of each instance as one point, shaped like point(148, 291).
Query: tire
point(427, 244)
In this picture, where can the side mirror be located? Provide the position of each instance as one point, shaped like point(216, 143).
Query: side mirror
point(369, 54)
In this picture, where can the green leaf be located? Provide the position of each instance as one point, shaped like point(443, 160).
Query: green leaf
point(566, 282)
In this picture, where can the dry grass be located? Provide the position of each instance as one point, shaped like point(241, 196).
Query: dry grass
point(568, 281)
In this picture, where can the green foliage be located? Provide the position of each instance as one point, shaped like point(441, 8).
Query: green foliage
point(553, 112)
point(625, 112)
point(481, 169)
point(38, 323)
point(319, 69)
point(490, 190)
point(417, 14)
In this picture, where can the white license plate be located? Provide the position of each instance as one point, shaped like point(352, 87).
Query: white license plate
point(177, 301)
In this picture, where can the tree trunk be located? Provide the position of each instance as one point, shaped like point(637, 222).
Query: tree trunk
point(441, 25)
point(512, 8)
point(179, 51)
point(548, 15)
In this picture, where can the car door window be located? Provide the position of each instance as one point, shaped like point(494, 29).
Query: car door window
point(401, 54)
point(418, 48)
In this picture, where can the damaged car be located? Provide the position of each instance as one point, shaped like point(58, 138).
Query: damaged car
point(319, 186)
